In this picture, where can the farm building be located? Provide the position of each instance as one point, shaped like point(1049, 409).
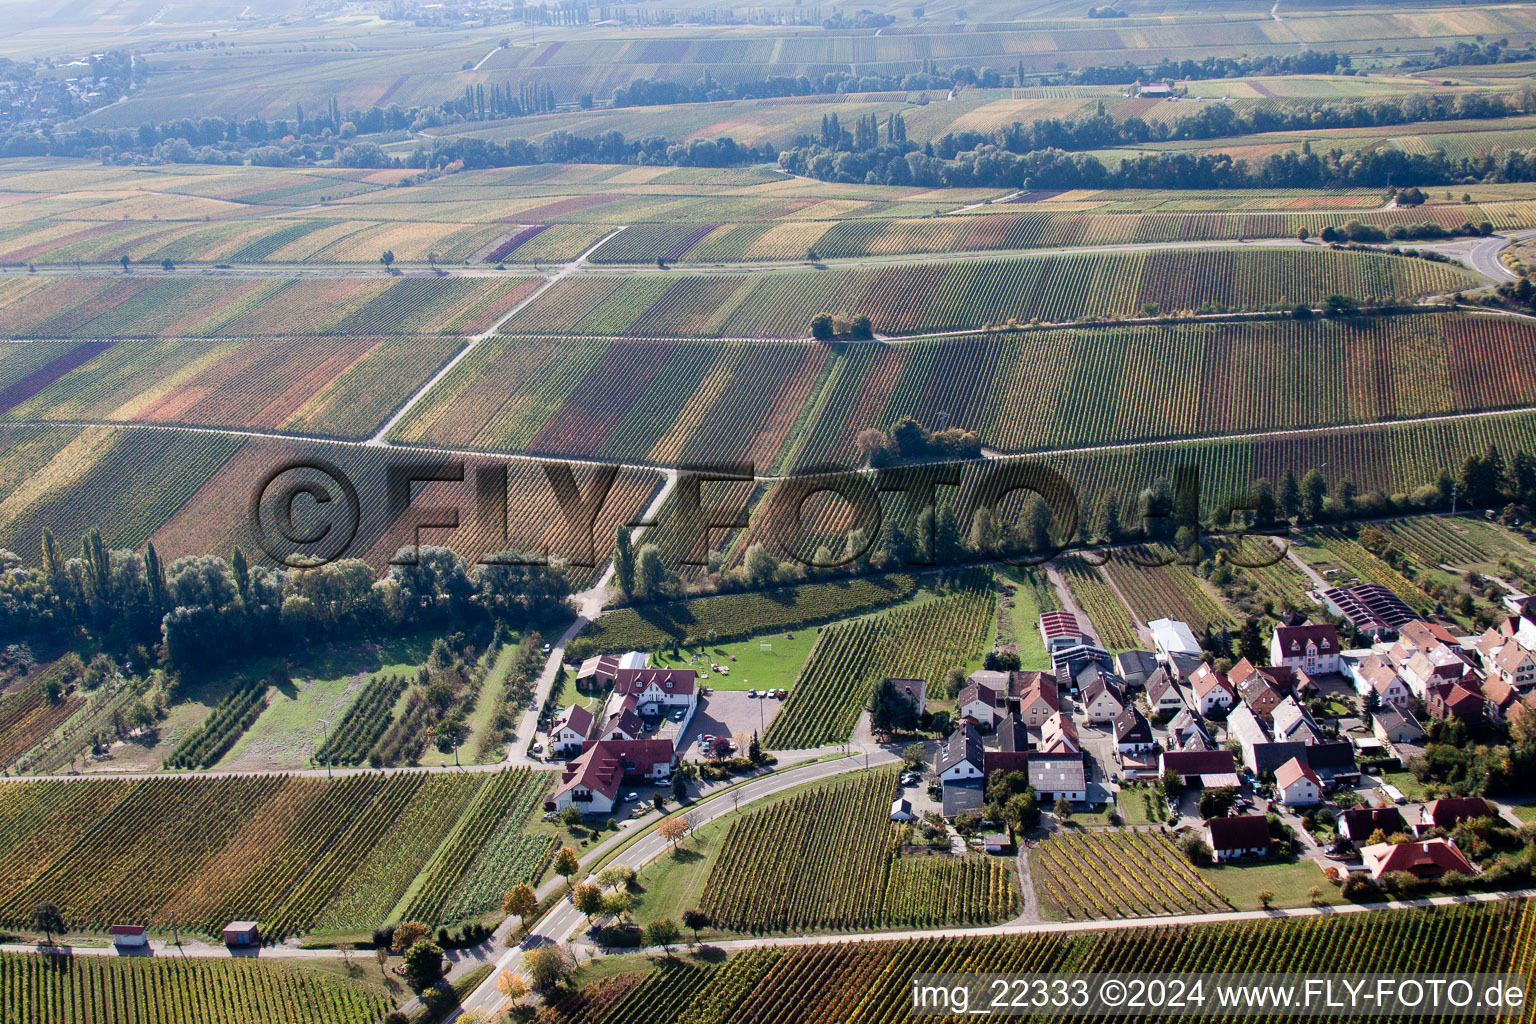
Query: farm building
point(242, 933)
point(1201, 768)
point(1012, 753)
point(1429, 858)
point(1172, 637)
point(1237, 837)
point(1370, 607)
point(128, 936)
point(1068, 663)
point(1154, 90)
point(1056, 777)
point(1309, 648)
point(1135, 667)
point(1060, 630)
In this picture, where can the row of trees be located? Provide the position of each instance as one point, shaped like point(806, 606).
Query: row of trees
point(204, 610)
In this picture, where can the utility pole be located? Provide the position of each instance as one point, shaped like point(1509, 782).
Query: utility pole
point(1453, 497)
point(175, 932)
point(325, 733)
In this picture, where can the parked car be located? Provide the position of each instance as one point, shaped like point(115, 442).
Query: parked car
point(538, 748)
point(752, 693)
point(631, 796)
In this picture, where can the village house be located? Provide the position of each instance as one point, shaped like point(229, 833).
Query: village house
point(1102, 699)
point(592, 779)
point(1297, 784)
point(1069, 663)
point(623, 723)
point(1133, 735)
point(1211, 690)
point(1237, 837)
point(1448, 812)
point(1375, 674)
point(1359, 823)
point(1059, 736)
point(960, 758)
point(1391, 725)
point(1163, 694)
point(1424, 859)
point(1309, 648)
point(1036, 695)
point(1499, 699)
point(571, 729)
point(1513, 665)
point(915, 689)
point(977, 704)
point(1186, 731)
point(1463, 701)
point(1292, 723)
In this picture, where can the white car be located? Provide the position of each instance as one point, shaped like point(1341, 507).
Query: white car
point(631, 796)
point(538, 748)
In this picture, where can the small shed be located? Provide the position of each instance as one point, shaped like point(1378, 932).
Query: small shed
point(128, 935)
point(901, 810)
point(242, 933)
point(996, 842)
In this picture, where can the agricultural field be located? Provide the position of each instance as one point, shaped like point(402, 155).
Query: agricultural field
point(295, 853)
point(849, 660)
point(781, 406)
point(870, 982)
point(336, 386)
point(952, 295)
point(1166, 591)
point(1117, 873)
point(38, 989)
point(1360, 566)
point(1460, 541)
point(162, 306)
point(1107, 617)
point(727, 617)
point(190, 491)
point(781, 869)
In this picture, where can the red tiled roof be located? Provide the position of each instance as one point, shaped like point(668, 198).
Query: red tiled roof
point(1059, 623)
point(602, 765)
point(1449, 812)
point(1200, 762)
point(1294, 639)
point(669, 680)
point(1429, 857)
point(1292, 772)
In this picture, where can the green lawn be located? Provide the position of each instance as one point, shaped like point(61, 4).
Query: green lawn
point(1405, 781)
point(289, 731)
point(1030, 590)
point(493, 693)
point(1290, 882)
point(1133, 806)
point(1525, 812)
point(753, 667)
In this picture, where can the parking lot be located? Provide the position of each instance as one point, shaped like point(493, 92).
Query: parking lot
point(726, 713)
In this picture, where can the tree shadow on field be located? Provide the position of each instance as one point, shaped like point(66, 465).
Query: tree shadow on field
point(683, 855)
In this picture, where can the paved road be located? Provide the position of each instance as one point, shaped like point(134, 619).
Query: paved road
point(558, 925)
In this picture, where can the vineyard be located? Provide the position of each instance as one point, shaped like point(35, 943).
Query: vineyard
point(338, 385)
point(234, 307)
point(995, 232)
point(1436, 540)
point(189, 492)
point(1344, 550)
point(734, 616)
point(849, 660)
point(1105, 613)
point(291, 852)
point(1165, 591)
point(825, 859)
point(972, 293)
point(1118, 873)
point(225, 724)
point(37, 989)
point(871, 982)
point(30, 713)
point(363, 723)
